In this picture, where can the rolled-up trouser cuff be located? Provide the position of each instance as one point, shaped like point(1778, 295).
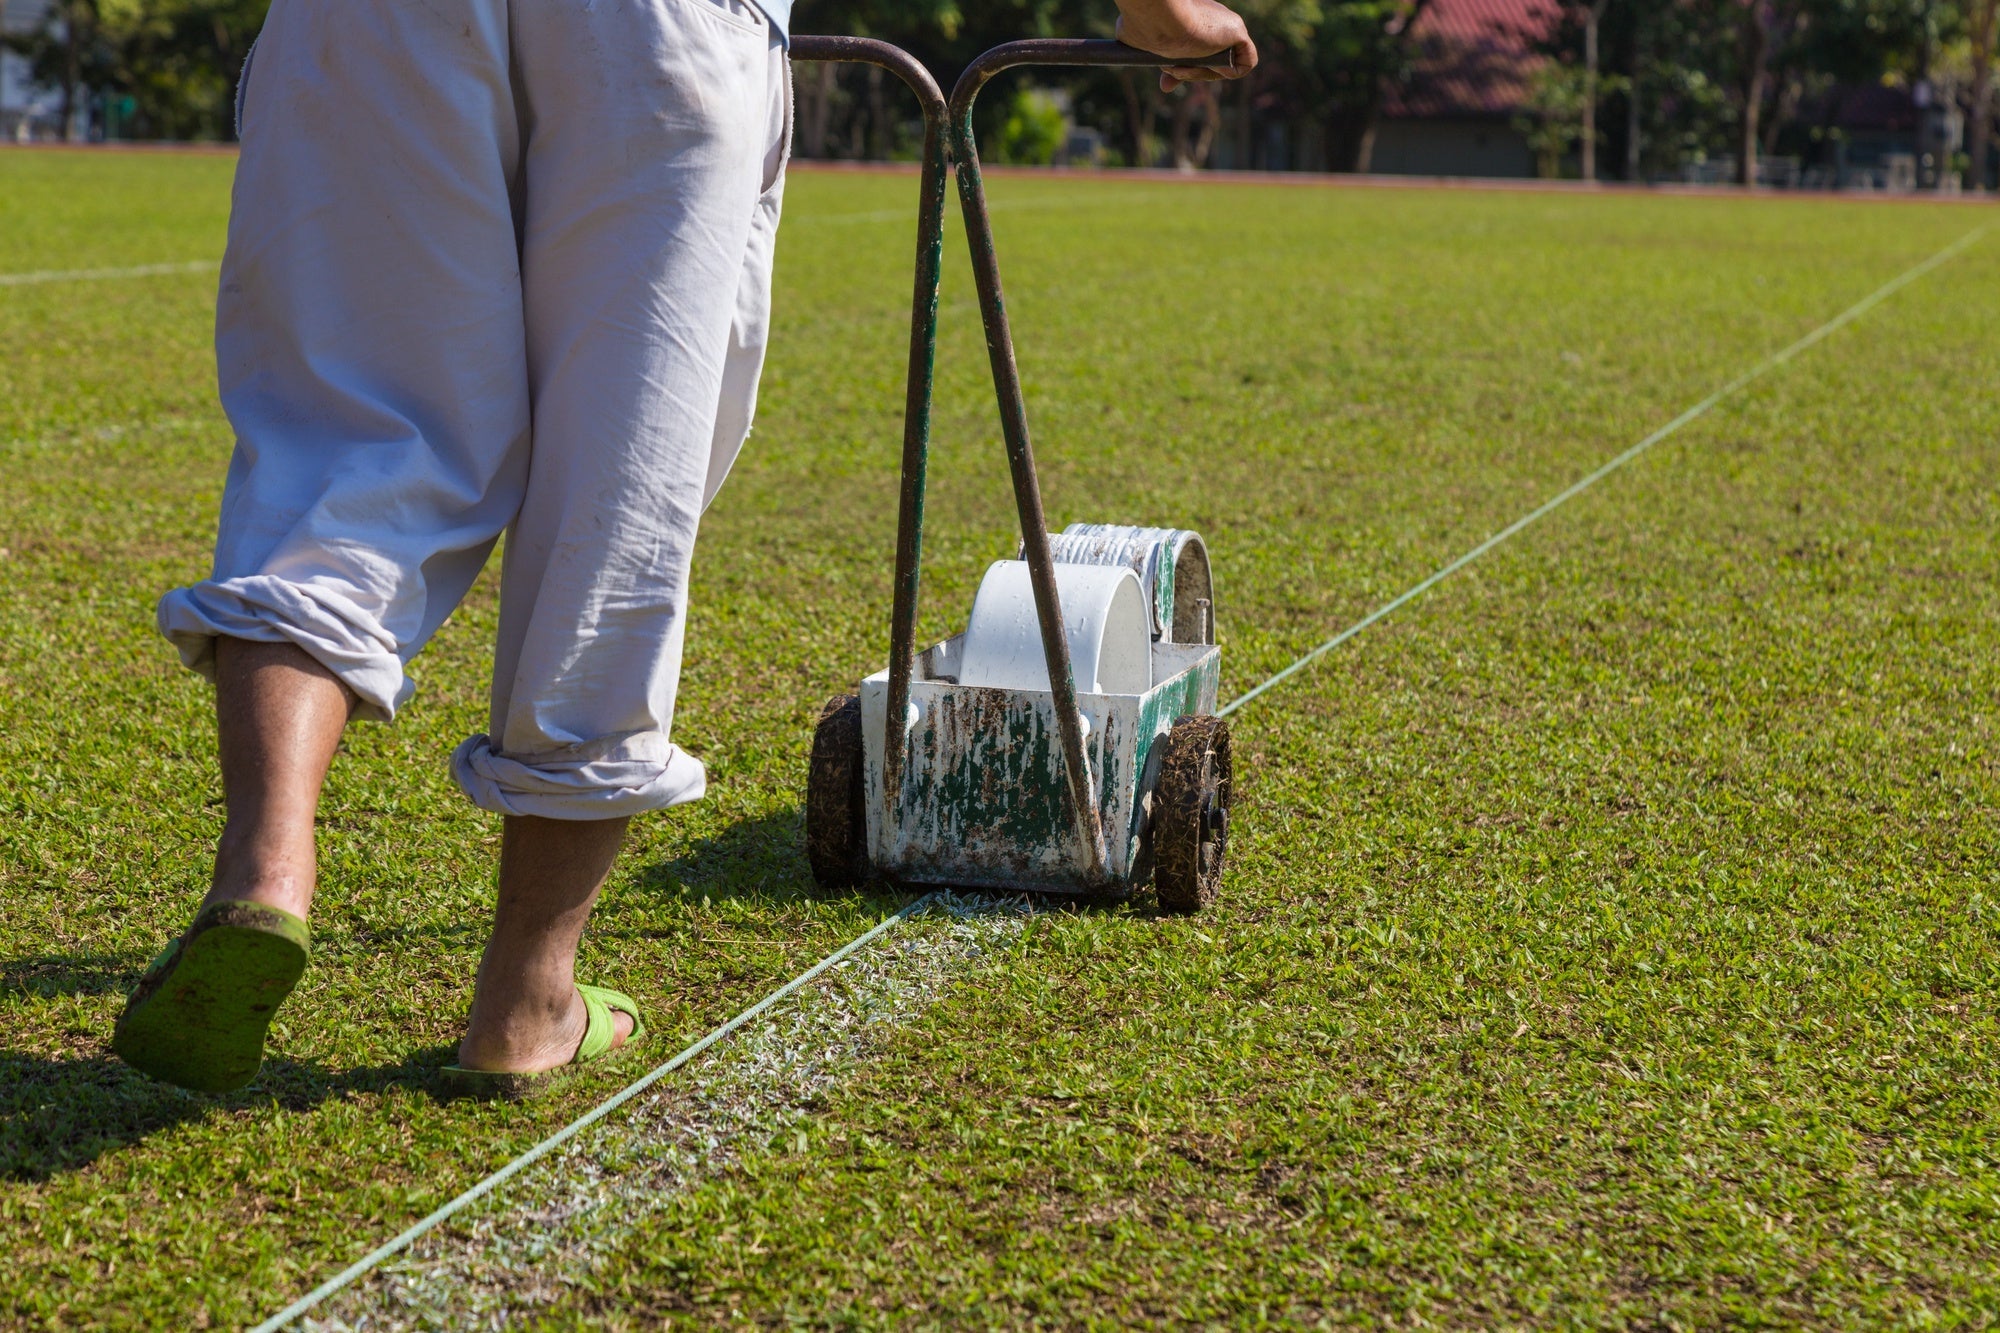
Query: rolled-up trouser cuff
point(597, 781)
point(265, 609)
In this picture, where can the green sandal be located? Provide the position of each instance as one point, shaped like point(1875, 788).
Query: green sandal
point(202, 1009)
point(599, 1003)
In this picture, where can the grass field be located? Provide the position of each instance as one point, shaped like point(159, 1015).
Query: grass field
point(1611, 934)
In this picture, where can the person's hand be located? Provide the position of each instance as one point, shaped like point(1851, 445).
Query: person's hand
point(1187, 28)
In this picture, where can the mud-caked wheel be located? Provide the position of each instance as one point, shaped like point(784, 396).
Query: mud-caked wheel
point(1191, 814)
point(836, 821)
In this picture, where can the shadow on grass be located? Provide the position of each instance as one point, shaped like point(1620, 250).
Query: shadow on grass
point(760, 861)
point(48, 976)
point(59, 1115)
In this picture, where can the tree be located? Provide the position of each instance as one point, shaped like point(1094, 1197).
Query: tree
point(1764, 27)
point(1553, 117)
point(177, 61)
point(65, 53)
point(1700, 78)
point(1982, 17)
point(1360, 49)
point(1709, 77)
point(1674, 62)
point(78, 19)
point(1191, 146)
point(1593, 20)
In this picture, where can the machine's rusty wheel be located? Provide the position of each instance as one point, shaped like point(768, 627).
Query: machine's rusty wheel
point(836, 821)
point(1191, 814)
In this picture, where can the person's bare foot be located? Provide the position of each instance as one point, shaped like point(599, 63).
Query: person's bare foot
point(532, 1035)
point(527, 1016)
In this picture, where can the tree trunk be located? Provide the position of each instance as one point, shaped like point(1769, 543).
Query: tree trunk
point(1211, 121)
point(1984, 15)
point(1192, 148)
point(1138, 117)
point(1360, 150)
point(815, 108)
point(1402, 30)
point(878, 117)
point(1308, 146)
point(1588, 148)
point(1183, 131)
point(1790, 90)
point(72, 66)
point(1634, 122)
point(1246, 111)
point(1364, 145)
point(1756, 47)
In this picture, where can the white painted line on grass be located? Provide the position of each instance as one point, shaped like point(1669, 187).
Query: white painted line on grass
point(519, 1253)
point(573, 1128)
point(109, 434)
point(100, 274)
point(1700, 409)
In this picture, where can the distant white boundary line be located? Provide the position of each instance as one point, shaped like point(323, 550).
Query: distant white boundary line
point(99, 274)
point(903, 214)
point(34, 277)
point(548, 1145)
point(1700, 409)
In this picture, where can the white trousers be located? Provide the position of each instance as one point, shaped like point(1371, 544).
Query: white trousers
point(495, 265)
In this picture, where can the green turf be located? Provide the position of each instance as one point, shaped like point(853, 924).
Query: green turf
point(1611, 935)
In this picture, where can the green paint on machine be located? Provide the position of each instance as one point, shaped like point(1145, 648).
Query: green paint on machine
point(982, 800)
point(983, 777)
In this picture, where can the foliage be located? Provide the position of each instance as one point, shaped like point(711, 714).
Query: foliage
point(1694, 66)
point(160, 69)
point(1551, 119)
point(1685, 73)
point(1033, 131)
point(1357, 49)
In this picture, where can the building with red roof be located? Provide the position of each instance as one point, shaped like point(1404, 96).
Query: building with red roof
point(1474, 62)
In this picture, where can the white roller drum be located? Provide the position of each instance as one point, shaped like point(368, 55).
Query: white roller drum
point(1104, 616)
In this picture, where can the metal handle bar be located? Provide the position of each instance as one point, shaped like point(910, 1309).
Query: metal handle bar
point(1065, 51)
point(917, 390)
point(1013, 407)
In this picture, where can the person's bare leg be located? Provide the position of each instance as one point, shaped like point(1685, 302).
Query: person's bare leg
point(199, 1018)
point(526, 1013)
point(279, 715)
